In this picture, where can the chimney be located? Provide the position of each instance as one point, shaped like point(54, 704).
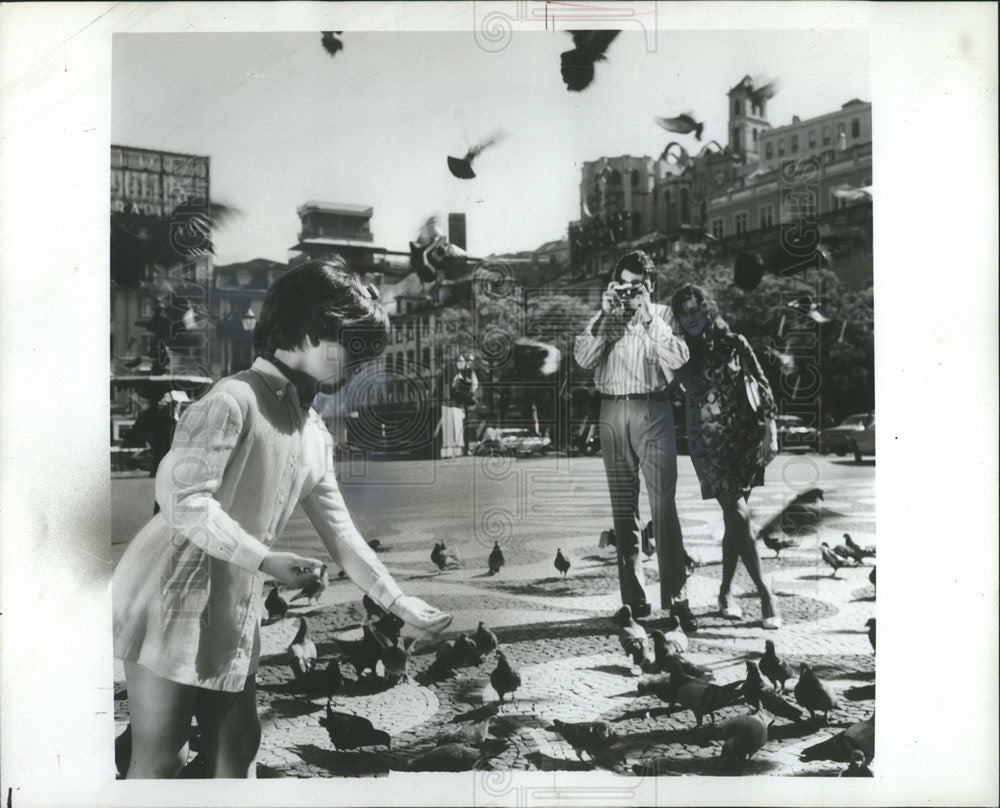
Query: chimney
point(456, 229)
point(796, 119)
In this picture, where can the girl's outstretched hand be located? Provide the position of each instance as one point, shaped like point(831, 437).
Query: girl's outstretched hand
point(420, 614)
point(292, 570)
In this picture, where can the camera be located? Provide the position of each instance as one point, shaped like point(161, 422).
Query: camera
point(626, 292)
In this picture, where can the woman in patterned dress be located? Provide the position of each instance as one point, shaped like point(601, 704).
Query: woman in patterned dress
point(730, 441)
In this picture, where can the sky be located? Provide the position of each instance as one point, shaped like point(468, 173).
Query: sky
point(285, 123)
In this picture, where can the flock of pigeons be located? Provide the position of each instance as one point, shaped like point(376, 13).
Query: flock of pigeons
point(657, 656)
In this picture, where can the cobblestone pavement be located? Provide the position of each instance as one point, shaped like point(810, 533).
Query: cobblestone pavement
point(558, 633)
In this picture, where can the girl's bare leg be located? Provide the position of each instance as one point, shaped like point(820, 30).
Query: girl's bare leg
point(160, 712)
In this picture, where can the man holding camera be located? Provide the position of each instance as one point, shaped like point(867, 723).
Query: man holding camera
point(634, 352)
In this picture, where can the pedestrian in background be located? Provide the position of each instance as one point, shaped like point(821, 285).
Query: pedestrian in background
point(187, 591)
point(634, 353)
point(732, 434)
point(461, 394)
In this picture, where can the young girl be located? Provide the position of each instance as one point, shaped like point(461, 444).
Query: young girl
point(187, 591)
point(729, 446)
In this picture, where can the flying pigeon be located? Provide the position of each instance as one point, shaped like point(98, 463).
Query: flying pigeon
point(331, 43)
point(577, 65)
point(462, 168)
point(683, 124)
point(314, 590)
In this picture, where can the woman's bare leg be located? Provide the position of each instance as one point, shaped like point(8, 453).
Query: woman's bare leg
point(737, 516)
point(160, 712)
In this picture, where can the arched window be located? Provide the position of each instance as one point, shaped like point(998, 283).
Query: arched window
point(615, 178)
point(634, 177)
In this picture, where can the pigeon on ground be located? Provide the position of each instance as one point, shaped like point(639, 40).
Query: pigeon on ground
point(776, 544)
point(349, 731)
point(562, 563)
point(842, 552)
point(277, 606)
point(659, 685)
point(372, 609)
point(395, 656)
point(631, 635)
point(759, 696)
point(313, 591)
point(840, 747)
point(813, 694)
point(505, 678)
point(465, 652)
point(860, 692)
point(857, 550)
point(649, 540)
point(585, 736)
point(831, 558)
point(742, 736)
point(472, 733)
point(456, 757)
point(496, 559)
point(871, 631)
point(577, 65)
point(683, 124)
point(773, 667)
point(665, 648)
point(332, 679)
point(858, 767)
point(607, 539)
point(362, 654)
point(389, 625)
point(302, 651)
point(871, 577)
point(461, 168)
point(700, 697)
point(444, 557)
point(444, 662)
point(674, 634)
point(331, 44)
point(486, 641)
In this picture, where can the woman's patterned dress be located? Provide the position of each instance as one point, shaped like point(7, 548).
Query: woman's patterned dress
point(724, 433)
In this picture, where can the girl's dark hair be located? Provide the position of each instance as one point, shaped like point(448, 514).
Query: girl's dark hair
point(689, 291)
point(322, 300)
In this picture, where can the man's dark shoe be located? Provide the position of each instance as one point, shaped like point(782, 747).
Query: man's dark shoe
point(680, 610)
point(640, 610)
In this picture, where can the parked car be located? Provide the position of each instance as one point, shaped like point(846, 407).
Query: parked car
point(839, 439)
point(793, 433)
point(863, 442)
point(515, 441)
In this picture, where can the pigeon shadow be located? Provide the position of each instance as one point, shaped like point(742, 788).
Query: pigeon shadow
point(817, 577)
point(617, 670)
point(294, 709)
point(863, 693)
point(796, 729)
point(666, 767)
point(545, 763)
point(633, 715)
point(267, 772)
point(855, 463)
point(346, 764)
point(479, 713)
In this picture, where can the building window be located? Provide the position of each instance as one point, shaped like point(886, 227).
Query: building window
point(740, 220)
point(812, 138)
point(409, 332)
point(754, 137)
point(765, 216)
point(826, 135)
point(685, 206)
point(795, 143)
point(769, 150)
point(634, 177)
point(855, 128)
point(718, 230)
point(736, 106)
point(426, 357)
point(410, 358)
point(781, 147)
